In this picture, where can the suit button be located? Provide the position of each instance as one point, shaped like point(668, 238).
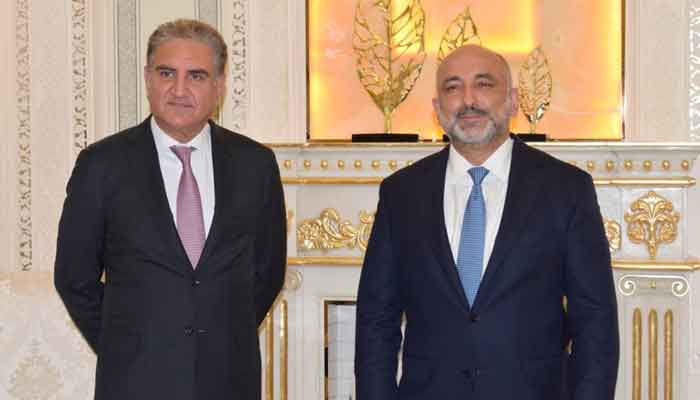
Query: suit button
point(189, 330)
point(474, 317)
point(196, 282)
point(201, 331)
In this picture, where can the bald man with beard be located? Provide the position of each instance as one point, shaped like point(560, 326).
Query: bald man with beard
point(475, 247)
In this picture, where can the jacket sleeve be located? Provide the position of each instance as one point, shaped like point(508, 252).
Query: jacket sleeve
point(270, 244)
point(592, 306)
point(379, 308)
point(78, 266)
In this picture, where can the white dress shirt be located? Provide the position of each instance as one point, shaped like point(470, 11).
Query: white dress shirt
point(202, 168)
point(458, 186)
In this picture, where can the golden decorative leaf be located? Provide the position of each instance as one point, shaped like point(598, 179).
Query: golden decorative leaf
point(535, 87)
point(460, 32)
point(330, 232)
point(652, 221)
point(389, 45)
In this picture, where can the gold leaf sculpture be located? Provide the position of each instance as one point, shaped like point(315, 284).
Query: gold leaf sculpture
point(652, 221)
point(328, 232)
point(389, 45)
point(535, 87)
point(460, 32)
point(612, 232)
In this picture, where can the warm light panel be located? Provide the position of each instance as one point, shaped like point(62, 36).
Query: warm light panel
point(582, 39)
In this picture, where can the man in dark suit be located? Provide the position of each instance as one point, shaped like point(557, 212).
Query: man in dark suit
point(477, 245)
point(186, 221)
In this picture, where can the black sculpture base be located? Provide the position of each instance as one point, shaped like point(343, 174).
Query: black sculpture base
point(532, 137)
point(385, 137)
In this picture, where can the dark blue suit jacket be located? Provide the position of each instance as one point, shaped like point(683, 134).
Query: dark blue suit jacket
point(512, 342)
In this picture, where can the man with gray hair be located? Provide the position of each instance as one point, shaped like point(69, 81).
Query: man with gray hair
point(185, 222)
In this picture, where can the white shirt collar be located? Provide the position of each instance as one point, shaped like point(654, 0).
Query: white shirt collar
point(498, 163)
point(163, 141)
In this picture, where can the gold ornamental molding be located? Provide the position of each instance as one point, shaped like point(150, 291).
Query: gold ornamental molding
point(623, 265)
point(328, 232)
point(332, 180)
point(683, 181)
point(613, 234)
point(627, 265)
point(331, 261)
point(652, 221)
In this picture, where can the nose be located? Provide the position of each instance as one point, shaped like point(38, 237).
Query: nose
point(468, 97)
point(180, 86)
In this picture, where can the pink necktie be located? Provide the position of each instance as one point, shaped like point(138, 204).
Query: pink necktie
point(190, 221)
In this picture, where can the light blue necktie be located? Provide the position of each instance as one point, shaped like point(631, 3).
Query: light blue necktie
point(471, 244)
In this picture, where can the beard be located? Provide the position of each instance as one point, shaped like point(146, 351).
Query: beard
point(496, 123)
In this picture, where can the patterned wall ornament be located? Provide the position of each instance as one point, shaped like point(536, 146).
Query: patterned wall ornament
point(79, 71)
point(328, 232)
point(652, 221)
point(694, 66)
point(35, 377)
point(632, 284)
point(24, 140)
point(239, 65)
point(292, 280)
point(613, 233)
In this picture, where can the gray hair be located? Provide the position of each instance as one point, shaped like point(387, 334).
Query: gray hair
point(194, 30)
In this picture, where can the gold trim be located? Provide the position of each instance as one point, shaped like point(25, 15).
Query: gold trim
point(290, 220)
point(685, 164)
point(269, 360)
point(338, 261)
point(668, 355)
point(569, 144)
point(610, 165)
point(653, 355)
point(284, 350)
point(647, 165)
point(688, 266)
point(590, 165)
point(637, 355)
point(684, 181)
point(331, 180)
point(618, 265)
point(666, 165)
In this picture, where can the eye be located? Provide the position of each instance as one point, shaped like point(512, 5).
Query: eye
point(485, 84)
point(166, 73)
point(451, 89)
point(198, 76)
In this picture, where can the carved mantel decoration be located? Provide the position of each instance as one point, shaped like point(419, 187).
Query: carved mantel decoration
point(613, 233)
point(328, 232)
point(652, 221)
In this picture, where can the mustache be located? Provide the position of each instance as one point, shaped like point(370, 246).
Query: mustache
point(467, 111)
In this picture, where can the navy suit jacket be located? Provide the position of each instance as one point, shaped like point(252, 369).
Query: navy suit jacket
point(512, 342)
point(161, 329)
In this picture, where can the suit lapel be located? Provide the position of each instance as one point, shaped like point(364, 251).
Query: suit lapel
point(435, 216)
point(148, 177)
point(520, 197)
point(224, 180)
